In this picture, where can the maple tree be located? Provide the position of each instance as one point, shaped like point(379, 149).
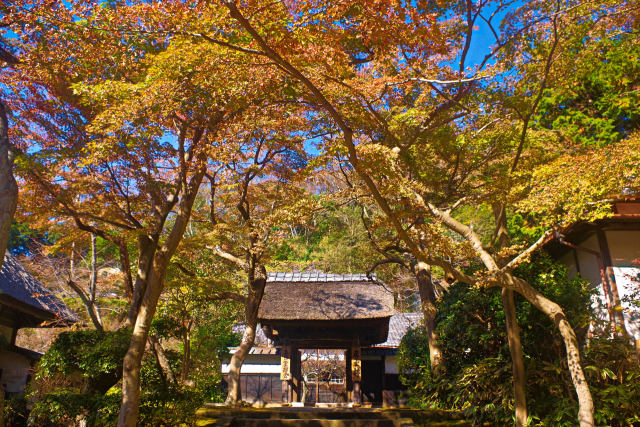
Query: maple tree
point(103, 146)
point(394, 167)
point(82, 263)
point(121, 111)
point(252, 203)
point(247, 219)
point(344, 81)
point(383, 249)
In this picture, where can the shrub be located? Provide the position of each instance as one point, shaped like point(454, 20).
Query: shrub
point(91, 359)
point(78, 378)
point(478, 379)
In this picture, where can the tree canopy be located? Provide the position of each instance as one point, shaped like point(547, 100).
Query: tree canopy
point(206, 142)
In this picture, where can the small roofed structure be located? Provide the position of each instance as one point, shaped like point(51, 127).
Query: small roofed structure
point(399, 325)
point(316, 310)
point(24, 303)
point(261, 371)
point(325, 310)
point(606, 252)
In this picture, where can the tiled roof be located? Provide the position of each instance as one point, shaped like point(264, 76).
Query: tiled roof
point(258, 350)
point(318, 276)
point(18, 284)
point(261, 338)
point(399, 324)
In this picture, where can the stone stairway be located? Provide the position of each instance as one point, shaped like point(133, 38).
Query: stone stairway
point(212, 415)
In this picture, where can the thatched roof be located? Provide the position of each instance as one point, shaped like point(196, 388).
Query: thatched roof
point(26, 294)
point(322, 296)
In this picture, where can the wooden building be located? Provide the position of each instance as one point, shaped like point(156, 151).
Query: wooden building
point(607, 254)
point(351, 315)
point(24, 303)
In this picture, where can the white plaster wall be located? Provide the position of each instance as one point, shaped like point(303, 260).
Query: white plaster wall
point(257, 364)
point(570, 262)
point(15, 368)
point(628, 283)
point(253, 368)
point(589, 268)
point(624, 247)
point(390, 365)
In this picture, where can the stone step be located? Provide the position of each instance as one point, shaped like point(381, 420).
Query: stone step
point(319, 422)
point(290, 414)
point(212, 415)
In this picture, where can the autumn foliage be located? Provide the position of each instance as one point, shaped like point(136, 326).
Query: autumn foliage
point(183, 133)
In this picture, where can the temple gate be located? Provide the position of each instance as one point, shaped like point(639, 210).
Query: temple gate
point(325, 311)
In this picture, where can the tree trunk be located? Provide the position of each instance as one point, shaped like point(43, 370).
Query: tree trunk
point(257, 282)
point(556, 314)
point(126, 269)
point(94, 269)
point(94, 280)
point(92, 310)
point(133, 359)
point(235, 393)
point(8, 185)
point(152, 289)
point(501, 235)
point(429, 311)
point(163, 361)
point(147, 249)
point(186, 357)
point(517, 359)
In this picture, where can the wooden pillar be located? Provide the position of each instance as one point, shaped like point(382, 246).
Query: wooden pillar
point(356, 373)
point(348, 382)
point(296, 375)
point(387, 395)
point(618, 317)
point(285, 372)
point(317, 377)
point(383, 379)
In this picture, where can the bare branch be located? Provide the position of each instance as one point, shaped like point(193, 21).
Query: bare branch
point(229, 257)
point(390, 260)
point(88, 304)
point(228, 295)
point(524, 255)
point(184, 269)
point(449, 82)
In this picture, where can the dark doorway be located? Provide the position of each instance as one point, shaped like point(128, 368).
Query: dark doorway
point(372, 372)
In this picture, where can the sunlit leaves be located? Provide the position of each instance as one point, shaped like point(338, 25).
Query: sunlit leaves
point(581, 186)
